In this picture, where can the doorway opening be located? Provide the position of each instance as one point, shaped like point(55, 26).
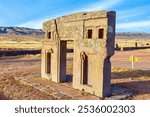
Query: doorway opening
point(66, 54)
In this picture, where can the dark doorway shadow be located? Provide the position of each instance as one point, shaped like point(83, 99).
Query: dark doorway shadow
point(69, 78)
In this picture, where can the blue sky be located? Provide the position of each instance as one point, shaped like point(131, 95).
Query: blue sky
point(132, 15)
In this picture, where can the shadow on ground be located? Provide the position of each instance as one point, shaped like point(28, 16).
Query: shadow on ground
point(3, 97)
point(136, 80)
point(141, 87)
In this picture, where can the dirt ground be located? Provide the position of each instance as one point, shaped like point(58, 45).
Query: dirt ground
point(20, 78)
point(138, 79)
point(121, 59)
point(13, 89)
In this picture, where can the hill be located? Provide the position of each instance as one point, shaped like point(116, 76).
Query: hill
point(39, 32)
point(20, 31)
point(131, 35)
point(20, 38)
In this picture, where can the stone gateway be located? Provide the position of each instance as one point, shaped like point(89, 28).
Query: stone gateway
point(93, 34)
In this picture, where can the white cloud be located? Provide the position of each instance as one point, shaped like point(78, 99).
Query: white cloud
point(133, 12)
point(101, 5)
point(138, 24)
point(123, 18)
point(37, 24)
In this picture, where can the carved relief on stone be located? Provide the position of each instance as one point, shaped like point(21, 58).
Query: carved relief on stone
point(83, 56)
point(84, 68)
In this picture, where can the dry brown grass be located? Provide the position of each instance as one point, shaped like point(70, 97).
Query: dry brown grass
point(119, 72)
point(20, 45)
point(20, 42)
point(34, 42)
point(131, 42)
point(15, 90)
point(20, 38)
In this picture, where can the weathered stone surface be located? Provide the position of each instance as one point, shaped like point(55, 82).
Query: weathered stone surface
point(93, 34)
point(58, 95)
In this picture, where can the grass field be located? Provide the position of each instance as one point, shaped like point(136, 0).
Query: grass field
point(20, 45)
point(34, 42)
point(20, 42)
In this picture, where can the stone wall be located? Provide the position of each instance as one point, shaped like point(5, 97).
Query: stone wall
point(93, 34)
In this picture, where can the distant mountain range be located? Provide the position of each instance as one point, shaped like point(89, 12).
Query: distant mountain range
point(39, 32)
point(131, 35)
point(20, 31)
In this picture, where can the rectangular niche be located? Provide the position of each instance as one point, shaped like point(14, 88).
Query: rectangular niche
point(85, 72)
point(48, 63)
point(84, 69)
point(101, 33)
point(49, 35)
point(89, 33)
